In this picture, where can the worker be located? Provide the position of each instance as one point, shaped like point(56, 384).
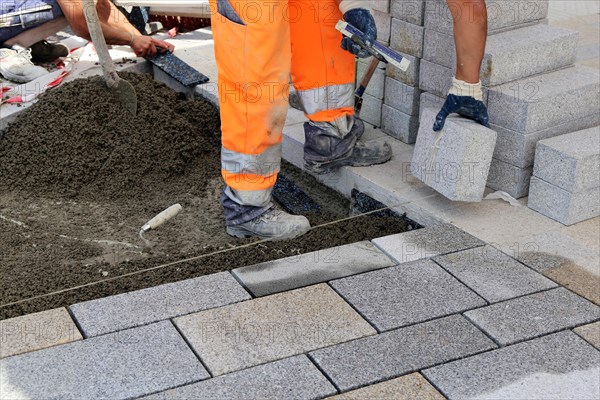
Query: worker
point(27, 23)
point(258, 44)
point(470, 33)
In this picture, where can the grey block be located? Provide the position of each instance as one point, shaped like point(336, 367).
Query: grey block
point(502, 15)
point(510, 55)
point(540, 102)
point(492, 274)
point(307, 269)
point(430, 100)
point(391, 354)
point(371, 110)
point(423, 289)
point(570, 161)
point(534, 315)
point(410, 76)
point(376, 84)
point(401, 96)
point(559, 367)
point(407, 38)
point(122, 311)
point(426, 242)
point(399, 125)
point(384, 26)
point(120, 365)
point(509, 178)
point(437, 79)
point(294, 377)
point(565, 207)
point(408, 10)
point(380, 5)
point(456, 160)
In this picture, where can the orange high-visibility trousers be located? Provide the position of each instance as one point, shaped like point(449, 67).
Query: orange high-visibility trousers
point(257, 45)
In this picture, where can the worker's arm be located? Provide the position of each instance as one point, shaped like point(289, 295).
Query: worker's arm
point(358, 14)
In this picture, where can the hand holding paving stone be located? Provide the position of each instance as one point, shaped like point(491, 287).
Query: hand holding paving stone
point(465, 106)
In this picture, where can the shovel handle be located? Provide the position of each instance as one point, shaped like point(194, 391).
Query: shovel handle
point(93, 23)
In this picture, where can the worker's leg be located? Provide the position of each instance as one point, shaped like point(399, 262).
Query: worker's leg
point(46, 12)
point(34, 35)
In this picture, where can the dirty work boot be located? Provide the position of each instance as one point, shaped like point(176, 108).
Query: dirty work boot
point(274, 224)
point(43, 51)
point(16, 66)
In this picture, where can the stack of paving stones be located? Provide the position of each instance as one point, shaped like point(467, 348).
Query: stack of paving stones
point(531, 87)
point(431, 313)
point(566, 181)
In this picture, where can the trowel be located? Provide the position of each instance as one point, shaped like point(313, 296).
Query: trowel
point(121, 89)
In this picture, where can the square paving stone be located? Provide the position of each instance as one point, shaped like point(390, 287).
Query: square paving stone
point(307, 269)
point(577, 279)
point(427, 242)
point(127, 310)
point(408, 387)
point(591, 333)
point(391, 354)
point(534, 315)
point(294, 377)
point(556, 367)
point(406, 294)
point(36, 331)
point(243, 335)
point(492, 274)
point(119, 365)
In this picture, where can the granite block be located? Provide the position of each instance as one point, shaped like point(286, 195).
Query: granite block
point(408, 387)
point(409, 77)
point(411, 11)
point(376, 85)
point(307, 269)
point(427, 242)
point(558, 367)
point(115, 313)
point(591, 333)
point(36, 331)
point(384, 26)
point(565, 207)
point(120, 365)
point(509, 178)
point(430, 100)
point(401, 96)
point(454, 161)
point(371, 110)
point(534, 315)
point(294, 377)
point(422, 287)
point(437, 79)
point(570, 161)
point(270, 328)
point(391, 354)
point(399, 125)
point(407, 38)
point(380, 5)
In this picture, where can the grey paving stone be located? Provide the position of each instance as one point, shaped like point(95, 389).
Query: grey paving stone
point(401, 96)
point(534, 315)
point(437, 79)
point(427, 242)
point(119, 365)
point(430, 100)
point(371, 110)
point(408, 387)
point(384, 26)
point(540, 102)
point(570, 161)
point(556, 367)
point(115, 313)
point(307, 269)
point(36, 331)
point(410, 76)
point(591, 333)
point(455, 161)
point(565, 207)
point(407, 37)
point(411, 11)
point(376, 84)
point(406, 294)
point(509, 178)
point(391, 354)
point(295, 377)
point(492, 274)
point(399, 125)
point(254, 332)
point(380, 5)
point(510, 55)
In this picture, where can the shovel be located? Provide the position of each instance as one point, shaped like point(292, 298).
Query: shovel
point(121, 89)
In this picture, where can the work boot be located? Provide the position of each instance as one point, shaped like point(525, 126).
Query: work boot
point(43, 51)
point(16, 66)
point(274, 224)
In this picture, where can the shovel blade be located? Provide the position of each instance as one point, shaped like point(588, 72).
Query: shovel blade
point(125, 93)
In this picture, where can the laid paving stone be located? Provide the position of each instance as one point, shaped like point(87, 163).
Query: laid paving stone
point(36, 331)
point(509, 178)
point(408, 10)
point(119, 365)
point(406, 294)
point(534, 315)
point(391, 354)
point(243, 335)
point(591, 333)
point(401, 96)
point(427, 242)
point(127, 310)
point(560, 366)
point(407, 37)
point(295, 377)
point(577, 279)
point(397, 124)
point(408, 387)
point(492, 274)
point(307, 269)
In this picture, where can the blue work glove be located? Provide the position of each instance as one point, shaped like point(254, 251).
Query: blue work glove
point(362, 20)
point(465, 106)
